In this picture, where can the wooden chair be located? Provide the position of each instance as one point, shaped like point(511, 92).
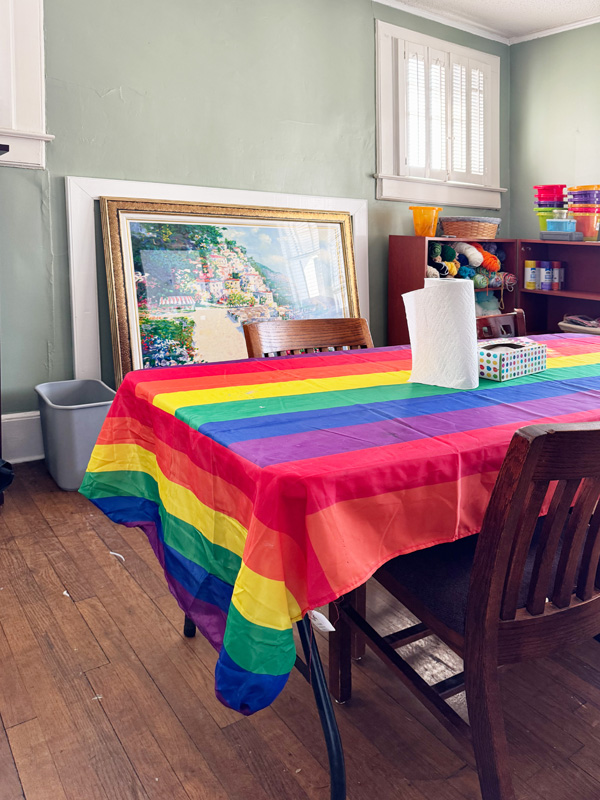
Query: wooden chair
point(278, 337)
point(499, 325)
point(524, 587)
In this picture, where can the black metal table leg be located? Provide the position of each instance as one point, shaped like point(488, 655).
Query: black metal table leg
point(335, 752)
point(189, 629)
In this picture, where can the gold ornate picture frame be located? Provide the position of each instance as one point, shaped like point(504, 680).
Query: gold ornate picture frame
point(183, 277)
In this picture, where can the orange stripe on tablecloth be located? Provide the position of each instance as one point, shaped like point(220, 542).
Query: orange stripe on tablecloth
point(179, 468)
point(353, 538)
point(148, 390)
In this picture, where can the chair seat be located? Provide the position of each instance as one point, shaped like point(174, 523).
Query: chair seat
point(439, 577)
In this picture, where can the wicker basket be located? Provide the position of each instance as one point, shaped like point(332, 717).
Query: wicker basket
point(470, 227)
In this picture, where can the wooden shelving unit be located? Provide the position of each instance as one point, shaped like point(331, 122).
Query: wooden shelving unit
point(543, 310)
point(581, 291)
point(407, 261)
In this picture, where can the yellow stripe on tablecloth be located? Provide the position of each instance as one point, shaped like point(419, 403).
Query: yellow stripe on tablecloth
point(581, 360)
point(264, 601)
point(172, 401)
point(177, 500)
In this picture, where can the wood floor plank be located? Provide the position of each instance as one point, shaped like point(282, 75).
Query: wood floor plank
point(156, 774)
point(34, 762)
point(10, 783)
point(97, 737)
point(369, 773)
point(59, 729)
point(138, 540)
point(147, 628)
point(148, 580)
point(263, 761)
point(151, 707)
point(64, 609)
point(296, 758)
point(15, 704)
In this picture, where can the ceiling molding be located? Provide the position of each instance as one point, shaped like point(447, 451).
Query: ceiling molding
point(486, 33)
point(468, 27)
point(551, 31)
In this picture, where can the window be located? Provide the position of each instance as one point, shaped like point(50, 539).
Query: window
point(22, 104)
point(437, 121)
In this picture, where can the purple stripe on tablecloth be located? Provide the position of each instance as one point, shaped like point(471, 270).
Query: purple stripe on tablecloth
point(319, 443)
point(207, 617)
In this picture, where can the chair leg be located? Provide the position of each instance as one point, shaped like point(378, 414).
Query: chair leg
point(189, 629)
point(335, 752)
point(488, 733)
point(359, 647)
point(340, 657)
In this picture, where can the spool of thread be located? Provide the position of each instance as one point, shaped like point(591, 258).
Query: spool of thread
point(558, 276)
point(531, 275)
point(546, 276)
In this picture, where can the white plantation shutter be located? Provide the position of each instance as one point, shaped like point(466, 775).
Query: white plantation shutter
point(470, 150)
point(437, 119)
point(458, 102)
point(477, 122)
point(438, 115)
point(416, 109)
point(426, 111)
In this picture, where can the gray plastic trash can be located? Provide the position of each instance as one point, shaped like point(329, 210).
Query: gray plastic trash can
point(72, 413)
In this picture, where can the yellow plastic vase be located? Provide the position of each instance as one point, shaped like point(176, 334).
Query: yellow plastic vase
point(425, 219)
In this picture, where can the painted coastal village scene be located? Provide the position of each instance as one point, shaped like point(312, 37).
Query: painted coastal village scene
point(196, 284)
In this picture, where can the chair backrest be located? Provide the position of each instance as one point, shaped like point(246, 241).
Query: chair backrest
point(537, 600)
point(279, 337)
point(499, 325)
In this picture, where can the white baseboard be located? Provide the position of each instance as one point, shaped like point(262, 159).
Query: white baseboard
point(22, 437)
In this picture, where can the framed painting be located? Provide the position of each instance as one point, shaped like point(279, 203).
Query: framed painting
point(184, 277)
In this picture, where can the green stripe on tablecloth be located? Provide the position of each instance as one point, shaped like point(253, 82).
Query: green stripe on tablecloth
point(179, 535)
point(263, 651)
point(194, 416)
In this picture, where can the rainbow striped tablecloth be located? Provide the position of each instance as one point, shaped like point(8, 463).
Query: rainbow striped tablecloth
point(269, 487)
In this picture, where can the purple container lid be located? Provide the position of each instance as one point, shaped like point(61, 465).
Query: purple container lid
point(546, 204)
point(584, 197)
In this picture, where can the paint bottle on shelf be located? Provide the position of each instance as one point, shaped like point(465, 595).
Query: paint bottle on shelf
point(546, 276)
point(558, 275)
point(531, 281)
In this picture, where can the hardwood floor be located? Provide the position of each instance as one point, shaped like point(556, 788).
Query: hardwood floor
point(102, 698)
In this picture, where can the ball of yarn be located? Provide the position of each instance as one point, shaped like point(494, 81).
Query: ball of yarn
point(448, 253)
point(435, 250)
point(480, 281)
point(466, 272)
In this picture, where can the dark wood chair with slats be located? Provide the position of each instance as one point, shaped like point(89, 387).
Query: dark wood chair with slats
point(499, 325)
point(525, 586)
point(279, 337)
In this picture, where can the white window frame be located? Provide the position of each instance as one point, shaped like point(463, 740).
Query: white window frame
point(22, 85)
point(395, 181)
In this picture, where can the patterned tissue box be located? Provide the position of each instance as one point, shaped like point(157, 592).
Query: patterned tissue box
point(503, 359)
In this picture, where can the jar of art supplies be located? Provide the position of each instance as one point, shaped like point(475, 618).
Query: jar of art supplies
point(558, 275)
point(546, 276)
point(531, 281)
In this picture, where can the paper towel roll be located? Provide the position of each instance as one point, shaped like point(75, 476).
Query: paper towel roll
point(443, 334)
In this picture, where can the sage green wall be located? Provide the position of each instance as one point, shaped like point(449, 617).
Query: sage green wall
point(272, 95)
point(555, 117)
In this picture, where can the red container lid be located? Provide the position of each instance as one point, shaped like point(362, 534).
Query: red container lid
point(551, 187)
